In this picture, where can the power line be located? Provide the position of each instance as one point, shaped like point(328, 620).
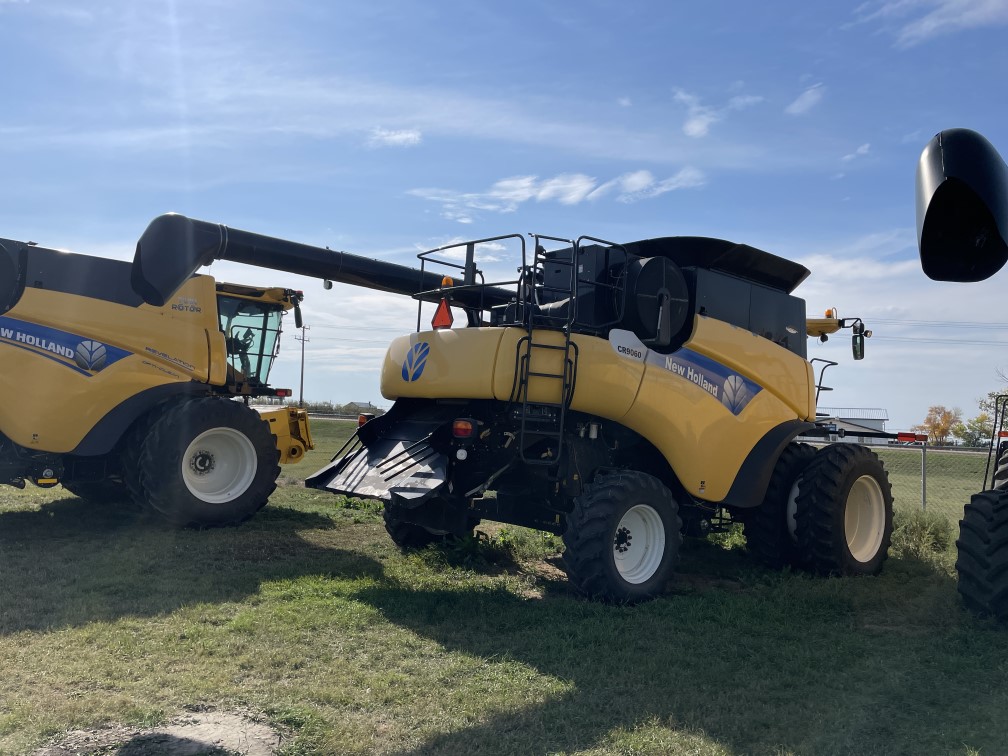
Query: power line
point(940, 323)
point(924, 340)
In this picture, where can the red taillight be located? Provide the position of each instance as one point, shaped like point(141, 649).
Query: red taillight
point(284, 392)
point(909, 438)
point(464, 427)
point(363, 417)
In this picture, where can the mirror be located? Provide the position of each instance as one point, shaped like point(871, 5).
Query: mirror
point(857, 346)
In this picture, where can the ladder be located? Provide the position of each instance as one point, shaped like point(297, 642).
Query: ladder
point(545, 419)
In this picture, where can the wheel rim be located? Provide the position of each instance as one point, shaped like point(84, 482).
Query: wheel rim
point(639, 544)
point(864, 518)
point(219, 465)
point(792, 512)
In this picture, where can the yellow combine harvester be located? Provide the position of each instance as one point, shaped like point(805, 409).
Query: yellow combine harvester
point(115, 397)
point(135, 380)
point(622, 394)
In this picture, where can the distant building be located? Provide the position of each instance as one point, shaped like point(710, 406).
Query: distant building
point(851, 420)
point(360, 407)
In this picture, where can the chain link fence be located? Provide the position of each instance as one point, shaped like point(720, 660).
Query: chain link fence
point(939, 480)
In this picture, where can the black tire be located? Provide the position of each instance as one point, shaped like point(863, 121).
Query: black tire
point(770, 529)
point(844, 511)
point(622, 538)
point(982, 561)
point(409, 535)
point(1001, 467)
point(129, 459)
point(208, 462)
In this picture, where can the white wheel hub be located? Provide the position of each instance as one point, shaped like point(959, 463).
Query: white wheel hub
point(639, 544)
point(792, 512)
point(864, 518)
point(219, 465)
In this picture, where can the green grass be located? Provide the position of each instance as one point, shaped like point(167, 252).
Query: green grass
point(307, 615)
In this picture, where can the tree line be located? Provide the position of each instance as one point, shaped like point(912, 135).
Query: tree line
point(945, 426)
point(326, 408)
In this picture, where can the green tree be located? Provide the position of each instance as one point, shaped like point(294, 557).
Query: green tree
point(989, 403)
point(975, 431)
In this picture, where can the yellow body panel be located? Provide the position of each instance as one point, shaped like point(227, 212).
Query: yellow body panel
point(54, 400)
point(704, 406)
point(289, 426)
point(479, 363)
point(784, 373)
point(821, 326)
point(460, 363)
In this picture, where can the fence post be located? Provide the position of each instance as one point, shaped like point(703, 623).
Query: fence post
point(924, 476)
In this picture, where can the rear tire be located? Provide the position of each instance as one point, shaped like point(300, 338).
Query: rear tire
point(982, 561)
point(129, 459)
point(209, 462)
point(844, 511)
point(622, 538)
point(409, 535)
point(1001, 467)
point(770, 528)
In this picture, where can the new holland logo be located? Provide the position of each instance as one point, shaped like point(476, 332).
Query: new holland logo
point(735, 394)
point(91, 355)
point(416, 360)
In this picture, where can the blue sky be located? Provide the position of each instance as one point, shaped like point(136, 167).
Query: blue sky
point(385, 128)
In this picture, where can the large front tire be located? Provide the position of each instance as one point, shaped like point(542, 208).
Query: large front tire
point(982, 561)
point(770, 529)
point(622, 538)
point(844, 511)
point(209, 462)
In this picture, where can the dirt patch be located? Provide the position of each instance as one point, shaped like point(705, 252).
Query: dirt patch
point(196, 734)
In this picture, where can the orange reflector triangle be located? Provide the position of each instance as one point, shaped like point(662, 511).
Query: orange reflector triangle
point(443, 318)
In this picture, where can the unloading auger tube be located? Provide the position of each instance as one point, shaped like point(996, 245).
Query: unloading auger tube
point(173, 247)
point(962, 228)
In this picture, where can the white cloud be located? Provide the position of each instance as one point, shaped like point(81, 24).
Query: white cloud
point(687, 178)
point(386, 138)
point(859, 152)
point(741, 102)
point(624, 102)
point(506, 195)
point(567, 189)
point(699, 117)
point(913, 22)
point(806, 100)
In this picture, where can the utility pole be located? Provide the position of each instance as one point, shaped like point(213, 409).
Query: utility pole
point(302, 338)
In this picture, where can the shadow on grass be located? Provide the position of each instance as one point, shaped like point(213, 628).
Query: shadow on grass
point(69, 562)
point(750, 662)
